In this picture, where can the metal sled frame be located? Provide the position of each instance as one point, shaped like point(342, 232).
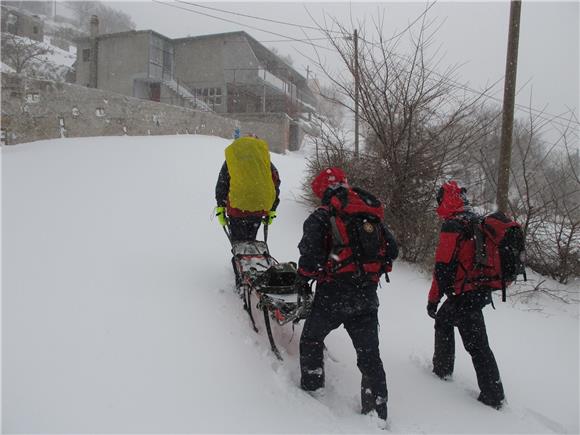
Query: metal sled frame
point(252, 261)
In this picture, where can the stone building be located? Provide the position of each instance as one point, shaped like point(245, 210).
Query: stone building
point(227, 73)
point(20, 23)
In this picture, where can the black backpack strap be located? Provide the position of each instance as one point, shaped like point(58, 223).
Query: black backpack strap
point(337, 240)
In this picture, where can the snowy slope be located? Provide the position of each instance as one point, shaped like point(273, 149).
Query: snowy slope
point(52, 66)
point(118, 313)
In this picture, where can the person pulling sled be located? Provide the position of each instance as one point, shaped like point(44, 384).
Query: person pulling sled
point(247, 195)
point(248, 188)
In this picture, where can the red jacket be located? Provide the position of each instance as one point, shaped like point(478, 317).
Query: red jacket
point(455, 251)
point(321, 257)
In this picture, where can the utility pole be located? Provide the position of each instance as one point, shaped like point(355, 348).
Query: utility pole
point(307, 84)
point(235, 96)
point(509, 94)
point(355, 40)
point(264, 95)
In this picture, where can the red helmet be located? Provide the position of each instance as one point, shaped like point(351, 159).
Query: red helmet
point(327, 178)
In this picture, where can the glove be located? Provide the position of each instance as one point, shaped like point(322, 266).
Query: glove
point(432, 309)
point(270, 217)
point(221, 215)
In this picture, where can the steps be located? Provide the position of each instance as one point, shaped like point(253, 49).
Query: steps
point(187, 95)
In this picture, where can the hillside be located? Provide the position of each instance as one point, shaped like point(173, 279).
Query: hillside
point(119, 314)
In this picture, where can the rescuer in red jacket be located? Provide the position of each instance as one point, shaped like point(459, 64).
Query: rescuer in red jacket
point(464, 303)
point(346, 248)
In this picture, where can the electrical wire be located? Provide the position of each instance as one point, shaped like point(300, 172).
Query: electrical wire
point(539, 113)
point(244, 25)
point(301, 26)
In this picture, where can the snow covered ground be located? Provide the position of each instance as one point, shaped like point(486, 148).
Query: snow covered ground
point(51, 66)
point(119, 316)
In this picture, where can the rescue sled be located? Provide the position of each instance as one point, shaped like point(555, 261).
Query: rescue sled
point(272, 282)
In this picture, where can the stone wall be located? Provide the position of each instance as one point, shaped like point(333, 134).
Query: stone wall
point(274, 128)
point(38, 109)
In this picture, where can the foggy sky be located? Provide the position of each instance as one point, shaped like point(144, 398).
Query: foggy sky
point(473, 35)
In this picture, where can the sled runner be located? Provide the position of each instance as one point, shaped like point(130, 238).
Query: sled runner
point(271, 282)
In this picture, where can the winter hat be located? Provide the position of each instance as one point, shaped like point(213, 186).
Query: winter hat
point(451, 199)
point(328, 178)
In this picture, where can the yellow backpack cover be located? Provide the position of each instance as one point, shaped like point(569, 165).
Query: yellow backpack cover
point(251, 185)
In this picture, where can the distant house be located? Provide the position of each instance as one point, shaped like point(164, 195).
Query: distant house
point(20, 23)
point(225, 73)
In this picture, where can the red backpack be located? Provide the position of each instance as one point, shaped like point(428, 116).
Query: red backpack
point(359, 245)
point(499, 252)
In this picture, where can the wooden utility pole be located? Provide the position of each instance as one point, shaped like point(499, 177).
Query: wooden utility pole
point(356, 86)
point(264, 93)
point(509, 94)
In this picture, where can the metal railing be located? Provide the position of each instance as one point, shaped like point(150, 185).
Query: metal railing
point(184, 92)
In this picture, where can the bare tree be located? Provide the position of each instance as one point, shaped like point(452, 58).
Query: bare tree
point(19, 52)
point(419, 128)
point(110, 20)
point(544, 194)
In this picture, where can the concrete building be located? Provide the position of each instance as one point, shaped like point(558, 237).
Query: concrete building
point(20, 23)
point(226, 73)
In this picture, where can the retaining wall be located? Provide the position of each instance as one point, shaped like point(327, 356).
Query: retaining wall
point(38, 109)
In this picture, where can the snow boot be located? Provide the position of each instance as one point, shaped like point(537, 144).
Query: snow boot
point(381, 407)
point(443, 376)
point(367, 399)
point(496, 404)
point(370, 402)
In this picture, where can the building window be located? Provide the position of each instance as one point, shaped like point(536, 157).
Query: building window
point(35, 30)
point(160, 58)
point(210, 96)
point(12, 23)
point(32, 98)
point(86, 54)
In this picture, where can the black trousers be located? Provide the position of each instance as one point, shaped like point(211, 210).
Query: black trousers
point(244, 228)
point(465, 313)
point(356, 308)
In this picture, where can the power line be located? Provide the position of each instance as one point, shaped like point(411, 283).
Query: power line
point(305, 26)
point(301, 26)
point(456, 84)
point(539, 113)
point(244, 25)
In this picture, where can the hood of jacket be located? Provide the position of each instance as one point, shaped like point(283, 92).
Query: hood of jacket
point(451, 199)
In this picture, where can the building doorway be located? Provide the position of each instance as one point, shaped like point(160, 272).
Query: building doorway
point(155, 92)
